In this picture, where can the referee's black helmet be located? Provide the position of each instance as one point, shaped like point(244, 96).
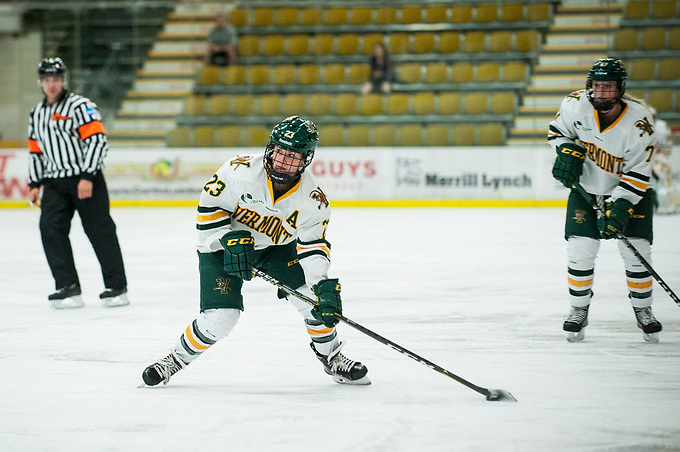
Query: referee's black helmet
point(51, 66)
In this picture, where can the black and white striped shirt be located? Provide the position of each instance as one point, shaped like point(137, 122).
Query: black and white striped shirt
point(65, 139)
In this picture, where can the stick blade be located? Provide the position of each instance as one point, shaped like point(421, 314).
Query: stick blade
point(500, 395)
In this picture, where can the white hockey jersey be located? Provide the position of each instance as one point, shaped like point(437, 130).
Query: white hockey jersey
point(619, 158)
point(240, 196)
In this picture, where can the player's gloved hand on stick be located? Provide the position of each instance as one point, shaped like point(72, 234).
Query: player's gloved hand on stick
point(239, 254)
point(327, 293)
point(569, 164)
point(616, 218)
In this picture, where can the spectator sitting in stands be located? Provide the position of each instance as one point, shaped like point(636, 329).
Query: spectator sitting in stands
point(222, 43)
point(381, 71)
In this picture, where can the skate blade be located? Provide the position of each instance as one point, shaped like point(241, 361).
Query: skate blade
point(113, 302)
point(73, 302)
point(652, 338)
point(576, 336)
point(343, 381)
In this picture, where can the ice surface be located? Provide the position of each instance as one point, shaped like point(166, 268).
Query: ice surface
point(480, 292)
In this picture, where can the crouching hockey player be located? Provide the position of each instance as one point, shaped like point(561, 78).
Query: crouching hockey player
point(265, 212)
point(605, 141)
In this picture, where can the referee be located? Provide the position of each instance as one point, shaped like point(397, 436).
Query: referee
point(67, 146)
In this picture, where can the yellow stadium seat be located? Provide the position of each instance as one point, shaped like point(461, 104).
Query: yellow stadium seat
point(258, 74)
point(435, 14)
point(488, 72)
point(270, 105)
point(244, 105)
point(284, 74)
point(399, 43)
point(436, 73)
point(288, 16)
point(336, 16)
point(638, 94)
point(503, 103)
point(238, 17)
point(636, 9)
point(194, 105)
point(526, 40)
point(323, 45)
point(348, 44)
point(263, 17)
point(512, 12)
point(669, 69)
point(437, 134)
point(386, 16)
point(538, 11)
point(385, 135)
point(410, 72)
point(450, 103)
point(626, 39)
point(332, 135)
point(461, 73)
point(298, 45)
point(229, 136)
point(653, 38)
point(372, 104)
point(423, 103)
point(273, 45)
point(312, 16)
point(346, 105)
point(248, 46)
point(514, 72)
point(411, 135)
point(476, 103)
point(334, 74)
point(309, 74)
point(209, 75)
point(371, 39)
point(359, 73)
point(358, 135)
point(320, 104)
point(449, 42)
point(397, 104)
point(674, 38)
point(464, 135)
point(487, 13)
point(179, 137)
point(661, 99)
point(642, 70)
point(204, 136)
point(218, 105)
point(491, 134)
point(664, 9)
point(361, 16)
point(475, 41)
point(235, 75)
point(411, 15)
point(461, 14)
point(423, 43)
point(500, 41)
point(295, 104)
point(256, 136)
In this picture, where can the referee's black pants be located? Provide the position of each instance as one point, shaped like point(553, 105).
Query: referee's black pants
point(59, 203)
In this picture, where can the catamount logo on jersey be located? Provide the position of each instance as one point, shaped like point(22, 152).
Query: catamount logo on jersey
point(241, 160)
point(320, 196)
point(575, 95)
point(645, 126)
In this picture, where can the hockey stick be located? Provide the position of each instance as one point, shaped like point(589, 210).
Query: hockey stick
point(624, 239)
point(492, 395)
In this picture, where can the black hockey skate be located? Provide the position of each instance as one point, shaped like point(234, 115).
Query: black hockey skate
point(112, 298)
point(575, 323)
point(648, 324)
point(342, 369)
point(67, 297)
point(163, 369)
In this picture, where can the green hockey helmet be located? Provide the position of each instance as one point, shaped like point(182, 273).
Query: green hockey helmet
point(606, 69)
point(293, 134)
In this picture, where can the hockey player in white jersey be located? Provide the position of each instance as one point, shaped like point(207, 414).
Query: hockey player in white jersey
point(264, 211)
point(605, 140)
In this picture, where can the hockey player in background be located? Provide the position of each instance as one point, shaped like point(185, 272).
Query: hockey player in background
point(67, 146)
point(605, 141)
point(264, 211)
point(662, 173)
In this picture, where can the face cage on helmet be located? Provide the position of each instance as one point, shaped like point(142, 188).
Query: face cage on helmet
point(605, 106)
point(281, 178)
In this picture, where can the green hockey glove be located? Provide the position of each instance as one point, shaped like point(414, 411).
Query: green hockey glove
point(329, 305)
point(616, 218)
point(239, 254)
point(569, 164)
